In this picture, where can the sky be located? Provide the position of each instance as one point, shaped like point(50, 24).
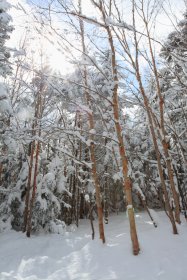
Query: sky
point(26, 25)
point(54, 55)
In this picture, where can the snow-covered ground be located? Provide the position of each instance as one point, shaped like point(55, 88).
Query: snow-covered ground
point(75, 256)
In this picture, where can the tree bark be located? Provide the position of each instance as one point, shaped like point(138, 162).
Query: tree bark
point(122, 152)
point(92, 145)
point(28, 187)
point(29, 222)
point(162, 126)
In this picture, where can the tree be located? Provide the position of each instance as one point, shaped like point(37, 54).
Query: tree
point(173, 87)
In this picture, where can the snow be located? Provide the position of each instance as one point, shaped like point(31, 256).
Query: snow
point(3, 91)
point(5, 107)
point(92, 131)
point(57, 227)
point(75, 256)
point(117, 176)
point(25, 114)
point(138, 189)
point(87, 198)
point(4, 5)
point(83, 108)
point(11, 144)
point(20, 52)
point(86, 60)
point(129, 207)
point(92, 20)
point(122, 24)
point(5, 18)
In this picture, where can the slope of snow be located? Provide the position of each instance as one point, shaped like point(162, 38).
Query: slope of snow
point(75, 256)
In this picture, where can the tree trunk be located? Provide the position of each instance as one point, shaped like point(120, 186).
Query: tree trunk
point(162, 126)
point(151, 127)
point(142, 199)
point(127, 181)
point(92, 145)
point(29, 223)
point(160, 171)
point(28, 186)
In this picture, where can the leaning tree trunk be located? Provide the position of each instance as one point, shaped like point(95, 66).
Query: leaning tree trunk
point(162, 126)
point(153, 134)
point(170, 173)
point(143, 201)
point(122, 152)
point(151, 126)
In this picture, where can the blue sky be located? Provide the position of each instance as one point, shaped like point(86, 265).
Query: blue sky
point(164, 24)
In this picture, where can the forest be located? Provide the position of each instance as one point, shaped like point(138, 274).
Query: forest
point(93, 119)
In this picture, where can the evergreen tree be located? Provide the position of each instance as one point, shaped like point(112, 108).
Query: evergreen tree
point(174, 89)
